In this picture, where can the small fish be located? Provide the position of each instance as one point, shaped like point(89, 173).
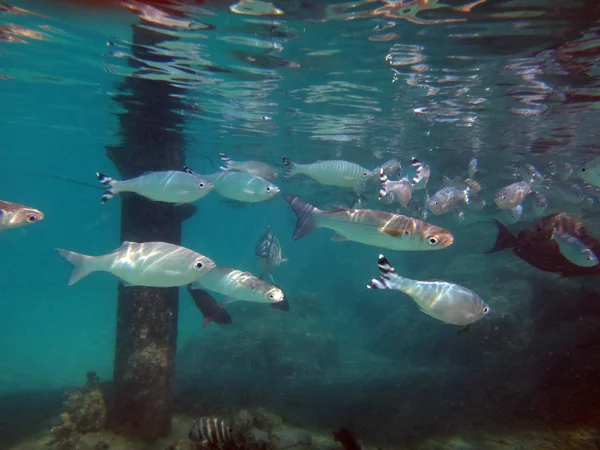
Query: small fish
point(13, 215)
point(575, 250)
point(155, 264)
point(446, 199)
point(242, 186)
point(516, 213)
point(211, 432)
point(571, 192)
point(395, 190)
point(590, 172)
point(172, 186)
point(258, 168)
point(512, 195)
point(370, 227)
point(333, 173)
point(348, 439)
point(564, 170)
point(421, 177)
point(238, 285)
point(531, 175)
point(212, 310)
point(444, 301)
point(472, 168)
point(459, 215)
point(268, 253)
point(540, 203)
point(390, 168)
point(473, 185)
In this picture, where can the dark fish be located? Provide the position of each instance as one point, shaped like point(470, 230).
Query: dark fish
point(211, 431)
point(535, 245)
point(212, 310)
point(348, 439)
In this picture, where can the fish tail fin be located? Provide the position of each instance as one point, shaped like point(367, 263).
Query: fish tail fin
point(419, 175)
point(79, 262)
point(504, 240)
point(383, 179)
point(290, 169)
point(226, 162)
point(109, 184)
point(305, 214)
point(387, 270)
point(467, 195)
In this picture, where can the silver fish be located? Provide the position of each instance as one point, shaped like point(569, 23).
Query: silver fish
point(590, 172)
point(242, 186)
point(239, 285)
point(540, 203)
point(472, 168)
point(13, 215)
point(512, 195)
point(531, 175)
point(268, 253)
point(395, 190)
point(370, 227)
point(333, 173)
point(156, 264)
point(575, 250)
point(421, 177)
point(448, 302)
point(564, 171)
point(446, 199)
point(171, 186)
point(258, 168)
point(390, 168)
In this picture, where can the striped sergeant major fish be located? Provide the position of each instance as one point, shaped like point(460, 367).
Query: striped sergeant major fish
point(211, 431)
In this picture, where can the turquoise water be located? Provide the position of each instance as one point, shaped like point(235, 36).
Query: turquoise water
point(511, 83)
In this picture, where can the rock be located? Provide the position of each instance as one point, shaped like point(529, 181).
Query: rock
point(257, 439)
point(101, 445)
point(242, 421)
point(266, 420)
point(285, 438)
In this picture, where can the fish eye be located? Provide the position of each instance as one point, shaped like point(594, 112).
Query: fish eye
point(198, 265)
point(503, 197)
point(201, 185)
point(31, 218)
point(485, 310)
point(432, 240)
point(268, 188)
point(582, 170)
point(436, 202)
point(365, 174)
point(271, 296)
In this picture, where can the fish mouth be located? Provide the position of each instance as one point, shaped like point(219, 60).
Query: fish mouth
point(275, 190)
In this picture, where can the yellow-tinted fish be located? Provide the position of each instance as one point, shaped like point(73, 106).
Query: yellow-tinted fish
point(370, 227)
point(13, 215)
point(512, 195)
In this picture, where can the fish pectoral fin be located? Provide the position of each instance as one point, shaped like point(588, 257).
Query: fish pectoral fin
point(338, 238)
point(284, 260)
point(360, 188)
point(207, 320)
point(271, 277)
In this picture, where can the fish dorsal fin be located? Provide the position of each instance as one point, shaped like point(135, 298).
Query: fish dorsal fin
point(247, 280)
point(125, 244)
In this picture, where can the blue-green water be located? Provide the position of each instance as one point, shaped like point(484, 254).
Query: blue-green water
point(514, 83)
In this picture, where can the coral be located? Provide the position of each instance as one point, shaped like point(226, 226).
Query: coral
point(65, 436)
point(87, 406)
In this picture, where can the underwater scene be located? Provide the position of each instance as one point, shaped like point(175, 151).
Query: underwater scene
point(300, 224)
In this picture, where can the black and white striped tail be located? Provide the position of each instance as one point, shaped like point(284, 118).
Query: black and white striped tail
point(289, 167)
point(226, 161)
point(383, 179)
point(108, 183)
point(386, 269)
point(419, 175)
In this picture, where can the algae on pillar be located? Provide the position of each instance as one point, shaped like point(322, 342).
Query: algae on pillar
point(151, 140)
